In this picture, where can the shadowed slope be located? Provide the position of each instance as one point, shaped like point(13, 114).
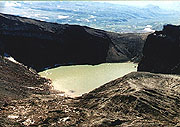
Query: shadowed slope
point(161, 52)
point(41, 44)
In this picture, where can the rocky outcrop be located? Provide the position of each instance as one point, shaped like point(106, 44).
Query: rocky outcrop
point(39, 44)
point(161, 53)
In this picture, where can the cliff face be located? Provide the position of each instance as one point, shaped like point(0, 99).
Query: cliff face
point(41, 44)
point(125, 47)
point(161, 53)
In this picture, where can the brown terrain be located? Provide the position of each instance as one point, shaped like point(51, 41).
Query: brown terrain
point(17, 81)
point(138, 99)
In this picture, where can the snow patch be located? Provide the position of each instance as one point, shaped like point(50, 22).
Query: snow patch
point(12, 59)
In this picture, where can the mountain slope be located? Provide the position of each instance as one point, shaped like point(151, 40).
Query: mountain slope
point(41, 44)
point(18, 82)
point(137, 99)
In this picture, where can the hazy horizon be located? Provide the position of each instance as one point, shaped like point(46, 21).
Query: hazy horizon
point(173, 5)
point(168, 5)
point(116, 16)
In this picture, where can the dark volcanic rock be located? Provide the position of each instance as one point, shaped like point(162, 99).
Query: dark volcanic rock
point(161, 53)
point(126, 47)
point(41, 44)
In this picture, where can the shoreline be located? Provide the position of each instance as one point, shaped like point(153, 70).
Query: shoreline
point(71, 79)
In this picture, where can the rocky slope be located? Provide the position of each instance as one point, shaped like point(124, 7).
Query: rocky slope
point(40, 44)
point(17, 82)
point(125, 47)
point(136, 100)
point(161, 53)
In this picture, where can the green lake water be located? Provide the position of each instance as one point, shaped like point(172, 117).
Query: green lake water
point(79, 79)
